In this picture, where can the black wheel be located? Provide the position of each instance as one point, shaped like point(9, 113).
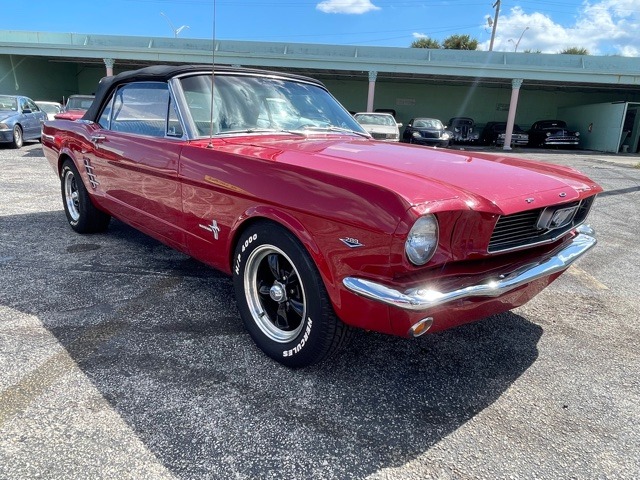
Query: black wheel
point(282, 300)
point(82, 215)
point(18, 139)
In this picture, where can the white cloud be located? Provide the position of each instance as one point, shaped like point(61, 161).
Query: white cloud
point(418, 36)
point(606, 27)
point(346, 6)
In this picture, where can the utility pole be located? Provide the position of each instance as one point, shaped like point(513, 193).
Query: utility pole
point(495, 24)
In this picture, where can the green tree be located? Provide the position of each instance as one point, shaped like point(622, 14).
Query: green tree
point(529, 50)
point(575, 51)
point(460, 42)
point(425, 42)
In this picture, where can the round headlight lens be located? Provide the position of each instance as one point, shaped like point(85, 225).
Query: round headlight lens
point(422, 240)
point(577, 134)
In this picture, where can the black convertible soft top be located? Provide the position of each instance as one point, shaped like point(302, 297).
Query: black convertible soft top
point(162, 73)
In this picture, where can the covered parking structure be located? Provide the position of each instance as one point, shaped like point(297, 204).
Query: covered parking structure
point(487, 86)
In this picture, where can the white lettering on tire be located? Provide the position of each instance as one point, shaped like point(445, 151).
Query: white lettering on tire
point(246, 243)
point(302, 343)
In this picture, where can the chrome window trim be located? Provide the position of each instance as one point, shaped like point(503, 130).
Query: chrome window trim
point(190, 129)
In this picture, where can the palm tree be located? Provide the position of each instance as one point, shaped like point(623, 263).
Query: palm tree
point(460, 42)
point(425, 42)
point(575, 51)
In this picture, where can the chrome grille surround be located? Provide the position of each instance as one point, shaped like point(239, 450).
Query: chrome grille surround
point(520, 230)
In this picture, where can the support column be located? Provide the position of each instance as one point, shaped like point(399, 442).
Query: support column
point(109, 63)
point(516, 83)
point(372, 90)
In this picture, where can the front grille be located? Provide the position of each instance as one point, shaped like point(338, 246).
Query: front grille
point(427, 134)
point(521, 229)
point(384, 136)
point(562, 138)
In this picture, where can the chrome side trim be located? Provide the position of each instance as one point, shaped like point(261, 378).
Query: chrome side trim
point(423, 298)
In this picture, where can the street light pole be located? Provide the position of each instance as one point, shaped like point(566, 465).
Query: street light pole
point(518, 42)
point(175, 30)
point(495, 24)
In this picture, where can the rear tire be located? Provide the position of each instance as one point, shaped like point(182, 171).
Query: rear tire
point(82, 215)
point(282, 299)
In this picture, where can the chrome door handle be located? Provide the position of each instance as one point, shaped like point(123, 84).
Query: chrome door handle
point(97, 138)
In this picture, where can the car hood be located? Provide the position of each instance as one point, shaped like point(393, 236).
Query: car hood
point(422, 175)
point(7, 115)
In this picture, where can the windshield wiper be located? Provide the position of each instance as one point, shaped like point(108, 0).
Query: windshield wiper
point(333, 128)
point(261, 130)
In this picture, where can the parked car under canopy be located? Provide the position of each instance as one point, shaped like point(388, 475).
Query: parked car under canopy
point(548, 133)
point(20, 119)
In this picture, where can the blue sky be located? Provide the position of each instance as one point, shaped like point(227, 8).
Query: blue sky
point(604, 27)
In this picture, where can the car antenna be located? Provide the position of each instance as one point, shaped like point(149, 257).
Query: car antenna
point(213, 66)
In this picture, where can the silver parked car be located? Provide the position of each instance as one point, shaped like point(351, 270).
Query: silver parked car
point(50, 108)
point(20, 119)
point(381, 126)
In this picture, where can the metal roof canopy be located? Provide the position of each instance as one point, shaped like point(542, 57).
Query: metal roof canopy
point(411, 65)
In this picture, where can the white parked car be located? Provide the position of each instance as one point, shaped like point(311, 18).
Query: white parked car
point(50, 108)
point(381, 126)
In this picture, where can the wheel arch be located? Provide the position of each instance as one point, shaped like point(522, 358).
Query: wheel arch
point(287, 221)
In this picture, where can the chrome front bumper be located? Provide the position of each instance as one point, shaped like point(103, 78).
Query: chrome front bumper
point(423, 298)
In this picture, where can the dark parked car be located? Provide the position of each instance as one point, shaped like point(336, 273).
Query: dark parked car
point(266, 177)
point(426, 131)
point(463, 130)
point(20, 119)
point(545, 133)
point(494, 133)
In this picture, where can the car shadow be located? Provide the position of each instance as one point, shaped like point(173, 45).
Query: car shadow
point(159, 336)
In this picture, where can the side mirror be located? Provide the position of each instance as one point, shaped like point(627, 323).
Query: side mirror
point(399, 125)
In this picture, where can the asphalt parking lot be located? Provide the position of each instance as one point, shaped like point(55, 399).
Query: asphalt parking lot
point(121, 358)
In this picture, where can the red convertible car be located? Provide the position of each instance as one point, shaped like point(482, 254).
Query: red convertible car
point(266, 177)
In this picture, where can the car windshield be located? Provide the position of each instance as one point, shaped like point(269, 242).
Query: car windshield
point(48, 107)
point(428, 123)
point(385, 120)
point(78, 103)
point(8, 103)
point(554, 124)
point(246, 104)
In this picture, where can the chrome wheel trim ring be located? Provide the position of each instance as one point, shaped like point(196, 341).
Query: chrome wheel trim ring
point(71, 195)
point(265, 323)
point(17, 136)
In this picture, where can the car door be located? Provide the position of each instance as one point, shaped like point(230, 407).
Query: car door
point(28, 120)
point(136, 149)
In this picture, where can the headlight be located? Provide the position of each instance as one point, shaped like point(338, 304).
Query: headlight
point(577, 134)
point(457, 129)
point(4, 126)
point(445, 136)
point(548, 134)
point(416, 134)
point(422, 240)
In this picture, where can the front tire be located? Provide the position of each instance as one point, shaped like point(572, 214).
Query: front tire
point(282, 300)
point(82, 215)
point(18, 138)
